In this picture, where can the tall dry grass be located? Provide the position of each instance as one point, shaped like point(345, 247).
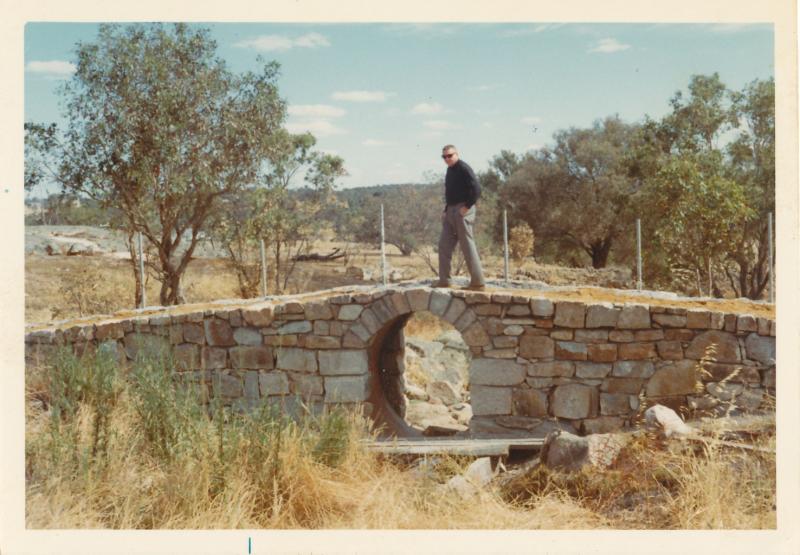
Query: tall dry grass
point(122, 448)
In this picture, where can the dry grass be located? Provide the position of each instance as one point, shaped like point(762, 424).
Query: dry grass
point(162, 463)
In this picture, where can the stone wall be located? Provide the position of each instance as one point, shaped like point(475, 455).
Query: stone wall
point(532, 358)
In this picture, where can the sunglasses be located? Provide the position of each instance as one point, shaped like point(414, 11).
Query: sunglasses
point(447, 156)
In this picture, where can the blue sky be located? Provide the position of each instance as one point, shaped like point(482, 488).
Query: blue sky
point(386, 97)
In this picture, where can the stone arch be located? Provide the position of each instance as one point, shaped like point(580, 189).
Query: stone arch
point(380, 326)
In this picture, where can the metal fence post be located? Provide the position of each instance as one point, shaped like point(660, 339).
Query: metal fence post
point(141, 270)
point(638, 253)
point(383, 251)
point(505, 245)
point(771, 259)
point(263, 269)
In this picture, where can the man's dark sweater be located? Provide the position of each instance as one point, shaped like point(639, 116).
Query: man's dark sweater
point(461, 185)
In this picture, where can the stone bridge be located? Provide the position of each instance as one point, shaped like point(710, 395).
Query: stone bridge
point(537, 356)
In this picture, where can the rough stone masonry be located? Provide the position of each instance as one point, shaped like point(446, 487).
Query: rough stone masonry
point(590, 365)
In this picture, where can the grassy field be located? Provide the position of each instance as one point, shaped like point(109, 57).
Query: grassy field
point(123, 450)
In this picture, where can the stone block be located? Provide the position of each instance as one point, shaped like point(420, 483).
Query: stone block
point(251, 386)
point(350, 312)
point(251, 357)
point(570, 314)
point(518, 310)
point(218, 333)
point(501, 298)
point(112, 330)
point(318, 311)
point(670, 320)
point(562, 335)
point(141, 344)
point(574, 401)
point(618, 336)
point(633, 369)
point(370, 321)
point(500, 353)
point(257, 317)
point(698, 319)
point(568, 350)
point(560, 368)
point(488, 310)
point(506, 342)
point(214, 358)
point(670, 350)
point(727, 347)
point(194, 333)
point(281, 340)
point(466, 319)
point(717, 321)
point(301, 360)
point(513, 330)
point(760, 348)
point(439, 303)
point(536, 347)
point(418, 299)
point(631, 386)
point(247, 336)
point(615, 404)
point(731, 373)
point(592, 370)
point(488, 400)
point(301, 326)
point(648, 335)
point(187, 356)
point(273, 383)
point(321, 342)
point(343, 363)
point(176, 334)
point(603, 352)
point(347, 389)
point(602, 315)
point(483, 371)
point(476, 336)
point(746, 323)
point(454, 311)
point(679, 378)
point(636, 351)
point(768, 379)
point(399, 303)
point(321, 327)
point(634, 316)
point(542, 308)
point(383, 310)
point(305, 385)
point(226, 386)
point(591, 336)
point(681, 335)
point(473, 297)
point(528, 402)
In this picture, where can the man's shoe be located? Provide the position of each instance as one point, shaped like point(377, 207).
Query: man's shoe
point(472, 287)
point(440, 284)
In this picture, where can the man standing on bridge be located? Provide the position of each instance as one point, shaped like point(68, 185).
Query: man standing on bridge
point(461, 190)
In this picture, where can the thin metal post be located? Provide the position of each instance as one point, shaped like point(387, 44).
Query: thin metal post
point(141, 270)
point(710, 282)
point(505, 245)
point(383, 250)
point(263, 269)
point(771, 259)
point(638, 253)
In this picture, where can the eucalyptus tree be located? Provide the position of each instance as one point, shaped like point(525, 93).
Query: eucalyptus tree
point(159, 128)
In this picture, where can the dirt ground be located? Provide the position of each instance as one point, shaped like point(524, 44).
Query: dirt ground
point(60, 287)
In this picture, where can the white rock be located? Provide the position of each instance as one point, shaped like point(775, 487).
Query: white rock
point(667, 420)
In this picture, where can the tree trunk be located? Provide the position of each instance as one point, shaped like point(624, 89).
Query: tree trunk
point(599, 253)
point(138, 301)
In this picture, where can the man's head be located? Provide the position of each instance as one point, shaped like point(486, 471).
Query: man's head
point(450, 155)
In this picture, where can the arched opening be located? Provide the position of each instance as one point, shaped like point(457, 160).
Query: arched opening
point(436, 376)
point(422, 369)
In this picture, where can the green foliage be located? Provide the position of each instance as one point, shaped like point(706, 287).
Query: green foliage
point(159, 128)
point(520, 241)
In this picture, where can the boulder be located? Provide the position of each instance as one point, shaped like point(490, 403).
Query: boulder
point(568, 452)
point(659, 417)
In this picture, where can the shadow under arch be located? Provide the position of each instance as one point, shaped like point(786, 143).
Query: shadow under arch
point(386, 359)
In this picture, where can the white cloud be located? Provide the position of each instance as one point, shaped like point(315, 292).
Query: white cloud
point(317, 127)
point(316, 111)
point(433, 30)
point(427, 109)
point(268, 43)
point(607, 46)
point(439, 125)
point(51, 68)
point(375, 142)
point(729, 27)
point(533, 146)
point(531, 120)
point(484, 88)
point(361, 96)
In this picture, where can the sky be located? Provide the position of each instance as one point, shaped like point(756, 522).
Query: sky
point(387, 96)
